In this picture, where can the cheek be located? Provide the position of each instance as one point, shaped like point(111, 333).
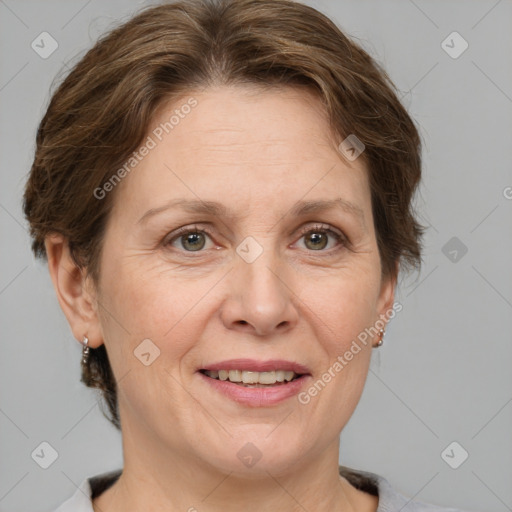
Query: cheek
point(151, 302)
point(345, 307)
point(147, 305)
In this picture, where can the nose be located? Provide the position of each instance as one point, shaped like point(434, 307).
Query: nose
point(259, 299)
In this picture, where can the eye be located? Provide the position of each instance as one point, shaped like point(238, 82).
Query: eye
point(317, 237)
point(193, 239)
point(190, 239)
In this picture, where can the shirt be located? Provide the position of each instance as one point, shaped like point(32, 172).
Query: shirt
point(389, 499)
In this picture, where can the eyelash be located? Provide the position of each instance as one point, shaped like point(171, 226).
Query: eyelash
point(318, 228)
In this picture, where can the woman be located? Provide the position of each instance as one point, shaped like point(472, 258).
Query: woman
point(223, 193)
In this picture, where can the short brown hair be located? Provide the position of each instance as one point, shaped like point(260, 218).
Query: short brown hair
point(101, 112)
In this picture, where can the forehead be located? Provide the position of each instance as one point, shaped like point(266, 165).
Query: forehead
point(258, 114)
point(238, 144)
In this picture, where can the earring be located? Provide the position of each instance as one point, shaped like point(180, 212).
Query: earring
point(382, 332)
point(85, 350)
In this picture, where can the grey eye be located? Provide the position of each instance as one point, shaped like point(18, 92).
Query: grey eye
point(318, 240)
point(193, 241)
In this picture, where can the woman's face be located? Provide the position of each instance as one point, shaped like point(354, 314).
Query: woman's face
point(258, 280)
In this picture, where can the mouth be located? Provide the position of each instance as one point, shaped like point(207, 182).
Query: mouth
point(255, 383)
point(253, 379)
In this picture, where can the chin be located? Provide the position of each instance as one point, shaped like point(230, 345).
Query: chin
point(257, 455)
point(257, 468)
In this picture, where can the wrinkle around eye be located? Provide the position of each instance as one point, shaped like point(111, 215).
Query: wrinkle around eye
point(341, 243)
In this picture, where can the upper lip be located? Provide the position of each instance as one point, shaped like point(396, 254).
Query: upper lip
point(253, 365)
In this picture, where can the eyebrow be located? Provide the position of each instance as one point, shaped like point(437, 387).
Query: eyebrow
point(219, 210)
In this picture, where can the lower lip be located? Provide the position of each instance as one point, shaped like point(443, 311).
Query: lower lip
point(257, 397)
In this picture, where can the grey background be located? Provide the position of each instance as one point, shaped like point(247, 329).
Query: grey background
point(443, 374)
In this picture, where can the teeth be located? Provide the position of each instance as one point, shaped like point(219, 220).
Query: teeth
point(288, 375)
point(235, 375)
point(267, 378)
point(248, 377)
point(251, 377)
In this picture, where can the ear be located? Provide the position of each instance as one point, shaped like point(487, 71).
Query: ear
point(75, 292)
point(387, 294)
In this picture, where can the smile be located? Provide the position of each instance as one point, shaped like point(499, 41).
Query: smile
point(253, 379)
point(255, 394)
